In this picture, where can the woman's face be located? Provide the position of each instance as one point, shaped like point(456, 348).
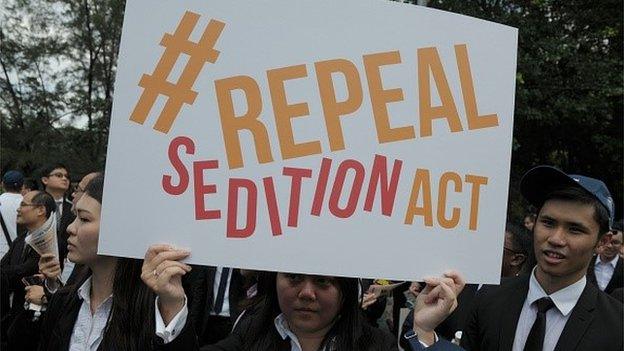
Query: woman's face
point(84, 231)
point(310, 303)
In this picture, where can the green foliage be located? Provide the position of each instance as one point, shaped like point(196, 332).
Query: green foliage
point(58, 62)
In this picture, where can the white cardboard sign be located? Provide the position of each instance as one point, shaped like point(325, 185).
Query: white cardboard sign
point(354, 138)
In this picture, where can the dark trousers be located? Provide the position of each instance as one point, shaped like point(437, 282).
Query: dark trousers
point(217, 328)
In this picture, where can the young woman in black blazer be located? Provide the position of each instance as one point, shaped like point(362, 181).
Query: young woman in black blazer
point(113, 281)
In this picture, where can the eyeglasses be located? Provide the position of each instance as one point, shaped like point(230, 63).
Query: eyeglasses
point(59, 175)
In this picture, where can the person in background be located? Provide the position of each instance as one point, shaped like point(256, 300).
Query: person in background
point(28, 186)
point(554, 307)
point(10, 199)
point(20, 262)
point(605, 269)
point(55, 180)
point(529, 221)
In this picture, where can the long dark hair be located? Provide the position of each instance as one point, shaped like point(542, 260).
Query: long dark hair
point(130, 324)
point(346, 334)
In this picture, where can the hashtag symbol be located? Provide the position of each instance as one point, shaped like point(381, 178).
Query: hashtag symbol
point(181, 92)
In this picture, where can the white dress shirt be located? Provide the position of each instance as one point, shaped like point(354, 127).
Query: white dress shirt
point(604, 271)
point(556, 318)
point(89, 328)
point(9, 202)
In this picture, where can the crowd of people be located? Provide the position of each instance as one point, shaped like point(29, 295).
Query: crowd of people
point(562, 278)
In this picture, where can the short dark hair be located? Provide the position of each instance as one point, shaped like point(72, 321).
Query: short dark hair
point(46, 200)
point(29, 183)
point(48, 168)
point(601, 214)
point(521, 239)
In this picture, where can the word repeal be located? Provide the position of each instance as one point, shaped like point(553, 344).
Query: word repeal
point(429, 65)
point(380, 178)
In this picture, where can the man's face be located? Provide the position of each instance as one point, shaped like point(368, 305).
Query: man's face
point(529, 223)
point(29, 213)
point(512, 259)
point(566, 235)
point(58, 179)
point(613, 247)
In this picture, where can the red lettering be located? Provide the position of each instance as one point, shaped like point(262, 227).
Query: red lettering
point(177, 164)
point(295, 191)
point(202, 189)
point(252, 201)
point(379, 175)
point(321, 186)
point(334, 198)
point(269, 191)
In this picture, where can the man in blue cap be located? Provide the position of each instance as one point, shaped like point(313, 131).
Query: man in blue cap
point(554, 308)
point(10, 199)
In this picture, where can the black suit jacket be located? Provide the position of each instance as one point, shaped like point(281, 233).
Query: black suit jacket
point(20, 261)
point(198, 285)
point(66, 219)
point(595, 322)
point(617, 280)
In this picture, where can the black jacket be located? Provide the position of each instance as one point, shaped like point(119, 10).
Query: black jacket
point(595, 323)
point(250, 321)
point(617, 280)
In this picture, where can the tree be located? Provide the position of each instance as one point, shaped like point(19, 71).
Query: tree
point(569, 86)
point(58, 62)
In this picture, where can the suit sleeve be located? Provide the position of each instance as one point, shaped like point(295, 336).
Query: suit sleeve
point(13, 273)
point(470, 334)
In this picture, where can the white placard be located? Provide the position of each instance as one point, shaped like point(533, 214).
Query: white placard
point(355, 138)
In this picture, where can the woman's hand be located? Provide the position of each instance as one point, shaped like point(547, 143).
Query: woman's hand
point(436, 302)
point(34, 294)
point(50, 267)
point(162, 272)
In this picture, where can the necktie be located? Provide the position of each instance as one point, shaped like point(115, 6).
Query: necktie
point(535, 340)
point(59, 208)
point(218, 306)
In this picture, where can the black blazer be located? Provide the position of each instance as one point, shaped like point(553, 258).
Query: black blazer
point(187, 340)
point(617, 279)
point(198, 285)
point(595, 322)
point(66, 219)
point(20, 261)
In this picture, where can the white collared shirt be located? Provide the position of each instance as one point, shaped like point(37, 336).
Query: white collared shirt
point(281, 325)
point(89, 328)
point(556, 318)
point(604, 271)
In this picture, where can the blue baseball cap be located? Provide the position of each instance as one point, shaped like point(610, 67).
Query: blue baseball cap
point(538, 182)
point(14, 178)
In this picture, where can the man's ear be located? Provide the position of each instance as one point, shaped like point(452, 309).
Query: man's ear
point(44, 180)
point(41, 210)
point(518, 259)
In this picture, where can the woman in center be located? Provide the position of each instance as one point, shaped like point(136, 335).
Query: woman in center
point(294, 312)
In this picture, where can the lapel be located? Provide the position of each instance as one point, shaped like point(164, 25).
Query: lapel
point(510, 309)
point(591, 275)
point(580, 318)
point(616, 278)
point(207, 286)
